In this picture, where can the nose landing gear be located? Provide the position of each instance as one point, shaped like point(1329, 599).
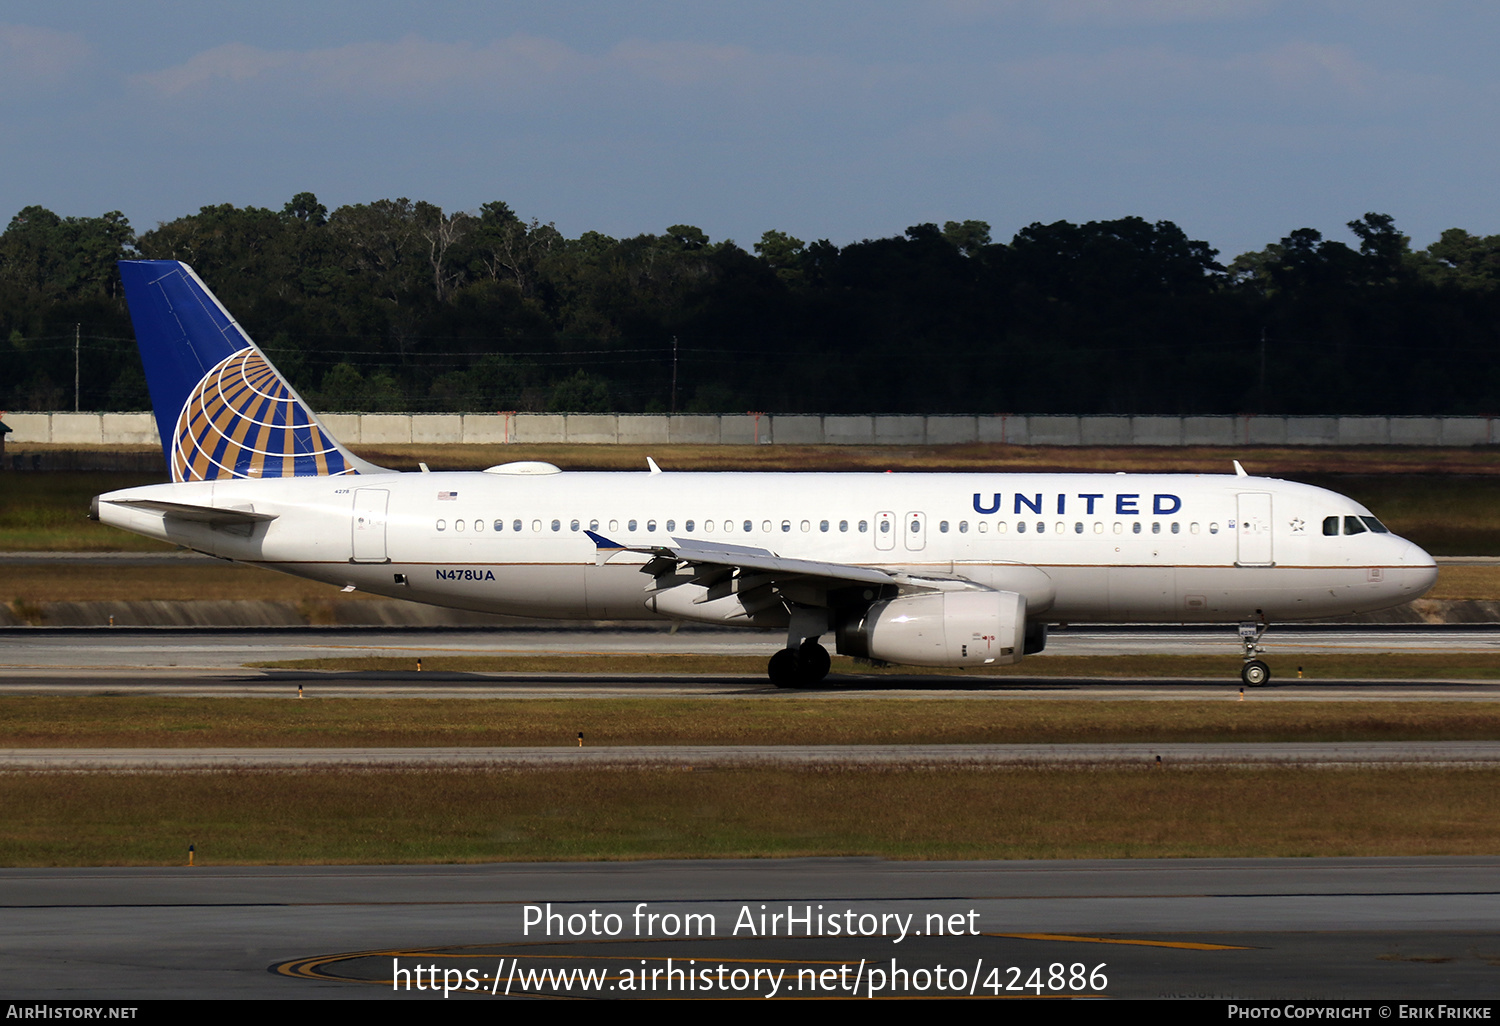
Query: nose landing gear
point(1254, 673)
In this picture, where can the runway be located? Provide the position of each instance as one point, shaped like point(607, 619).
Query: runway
point(1225, 928)
point(222, 648)
point(195, 662)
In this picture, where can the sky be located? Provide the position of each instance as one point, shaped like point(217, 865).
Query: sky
point(1239, 120)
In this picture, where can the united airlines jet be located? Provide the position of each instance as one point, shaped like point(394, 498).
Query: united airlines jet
point(958, 570)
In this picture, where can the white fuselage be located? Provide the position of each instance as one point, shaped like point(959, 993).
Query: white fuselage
point(1079, 547)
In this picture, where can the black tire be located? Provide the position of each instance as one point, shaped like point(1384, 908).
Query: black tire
point(784, 670)
point(813, 662)
point(1255, 673)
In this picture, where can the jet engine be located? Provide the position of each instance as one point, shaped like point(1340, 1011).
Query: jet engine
point(946, 628)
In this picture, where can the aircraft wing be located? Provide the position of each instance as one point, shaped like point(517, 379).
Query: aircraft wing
point(746, 557)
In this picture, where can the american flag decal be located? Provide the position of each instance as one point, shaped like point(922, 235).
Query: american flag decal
point(448, 496)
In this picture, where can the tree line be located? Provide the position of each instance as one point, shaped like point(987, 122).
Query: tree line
point(399, 305)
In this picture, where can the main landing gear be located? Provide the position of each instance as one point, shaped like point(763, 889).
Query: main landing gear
point(800, 667)
point(1254, 673)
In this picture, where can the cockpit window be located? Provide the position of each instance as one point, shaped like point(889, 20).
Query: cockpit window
point(1330, 527)
point(1353, 525)
point(1375, 525)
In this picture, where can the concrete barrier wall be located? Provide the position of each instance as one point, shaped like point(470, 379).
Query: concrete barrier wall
point(85, 429)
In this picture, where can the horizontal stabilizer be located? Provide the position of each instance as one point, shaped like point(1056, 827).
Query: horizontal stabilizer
point(214, 516)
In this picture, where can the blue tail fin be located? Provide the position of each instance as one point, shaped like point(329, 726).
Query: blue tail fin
point(222, 410)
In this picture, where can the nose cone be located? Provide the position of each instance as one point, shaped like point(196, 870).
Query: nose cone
point(1418, 572)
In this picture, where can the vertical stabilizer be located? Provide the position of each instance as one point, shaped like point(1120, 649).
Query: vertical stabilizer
point(222, 410)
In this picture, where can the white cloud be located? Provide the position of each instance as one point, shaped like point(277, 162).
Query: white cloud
point(39, 56)
point(383, 70)
point(1111, 12)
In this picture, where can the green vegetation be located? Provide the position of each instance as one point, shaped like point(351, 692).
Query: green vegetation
point(367, 817)
point(41, 512)
point(396, 304)
point(155, 722)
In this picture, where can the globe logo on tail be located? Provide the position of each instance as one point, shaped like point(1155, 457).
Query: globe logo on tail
point(242, 420)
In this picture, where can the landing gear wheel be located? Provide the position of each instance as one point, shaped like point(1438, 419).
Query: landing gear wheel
point(813, 662)
point(1255, 673)
point(783, 669)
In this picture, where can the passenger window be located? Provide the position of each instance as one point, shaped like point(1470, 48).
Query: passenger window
point(651, 525)
point(786, 527)
point(864, 525)
point(1213, 528)
point(1060, 527)
point(1176, 527)
point(479, 525)
point(499, 525)
point(594, 525)
point(1193, 528)
point(631, 525)
point(943, 526)
point(442, 525)
point(708, 527)
point(1020, 527)
point(573, 525)
point(557, 525)
point(458, 525)
point(963, 527)
point(516, 526)
point(1041, 528)
point(1078, 527)
point(536, 525)
point(885, 527)
point(614, 525)
point(1098, 527)
point(823, 526)
point(688, 527)
point(1135, 528)
point(671, 525)
point(806, 526)
point(916, 526)
point(1352, 525)
point(765, 525)
point(1330, 527)
point(843, 527)
point(1156, 528)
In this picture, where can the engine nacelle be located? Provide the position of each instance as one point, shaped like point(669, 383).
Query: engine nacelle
point(948, 628)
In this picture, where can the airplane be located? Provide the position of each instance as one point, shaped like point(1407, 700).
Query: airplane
point(922, 569)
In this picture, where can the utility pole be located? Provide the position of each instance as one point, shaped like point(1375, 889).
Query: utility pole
point(76, 329)
point(674, 373)
point(1263, 370)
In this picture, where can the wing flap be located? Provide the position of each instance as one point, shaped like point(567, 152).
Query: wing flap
point(742, 557)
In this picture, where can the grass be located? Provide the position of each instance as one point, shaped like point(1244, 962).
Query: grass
point(46, 721)
point(1269, 461)
point(192, 582)
point(477, 816)
point(49, 512)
